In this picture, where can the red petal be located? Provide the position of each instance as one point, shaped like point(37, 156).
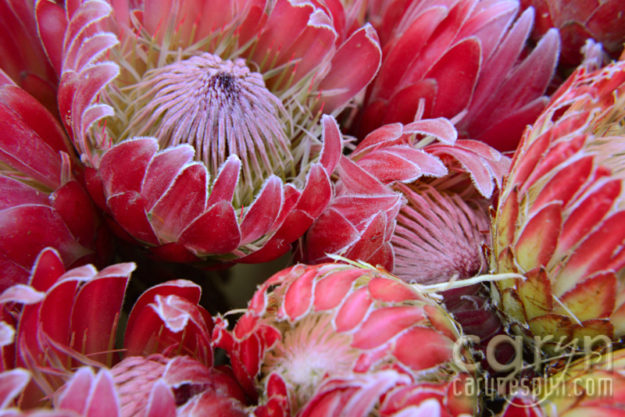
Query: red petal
point(26, 230)
point(47, 269)
point(123, 167)
point(96, 311)
point(161, 402)
point(183, 202)
point(588, 214)
point(226, 181)
point(162, 170)
point(214, 232)
point(128, 209)
point(298, 297)
point(434, 348)
point(332, 146)
point(596, 251)
point(51, 24)
point(332, 289)
point(11, 385)
point(263, 212)
point(389, 290)
point(565, 183)
point(362, 46)
point(399, 55)
point(462, 65)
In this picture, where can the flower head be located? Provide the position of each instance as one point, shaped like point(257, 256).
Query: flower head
point(559, 215)
point(466, 59)
point(331, 330)
point(189, 120)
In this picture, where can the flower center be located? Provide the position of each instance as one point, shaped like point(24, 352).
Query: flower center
point(220, 108)
point(310, 351)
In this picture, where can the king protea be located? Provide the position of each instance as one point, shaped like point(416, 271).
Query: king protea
point(467, 60)
point(205, 125)
point(336, 339)
point(560, 217)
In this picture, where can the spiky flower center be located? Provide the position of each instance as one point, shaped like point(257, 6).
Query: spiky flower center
point(220, 108)
point(438, 237)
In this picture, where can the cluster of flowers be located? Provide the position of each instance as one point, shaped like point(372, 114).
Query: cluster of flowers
point(436, 169)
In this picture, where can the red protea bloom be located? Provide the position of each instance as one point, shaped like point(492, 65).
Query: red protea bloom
point(71, 317)
point(43, 203)
point(202, 129)
point(342, 331)
point(560, 215)
point(466, 59)
point(577, 21)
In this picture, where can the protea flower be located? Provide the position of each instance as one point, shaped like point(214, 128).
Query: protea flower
point(591, 386)
point(467, 60)
point(344, 336)
point(577, 21)
point(43, 203)
point(153, 386)
point(560, 215)
point(201, 122)
point(415, 207)
point(63, 319)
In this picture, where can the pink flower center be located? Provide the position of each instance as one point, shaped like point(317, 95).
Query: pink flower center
point(220, 108)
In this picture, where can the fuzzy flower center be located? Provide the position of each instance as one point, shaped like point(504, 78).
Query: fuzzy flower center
point(220, 108)
point(310, 351)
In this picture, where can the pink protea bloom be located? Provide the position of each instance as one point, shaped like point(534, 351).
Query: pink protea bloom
point(577, 21)
point(429, 221)
point(153, 386)
point(206, 126)
point(311, 330)
point(559, 219)
point(43, 202)
point(67, 318)
point(467, 60)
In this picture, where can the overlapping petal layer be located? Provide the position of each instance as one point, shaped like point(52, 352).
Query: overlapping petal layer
point(559, 218)
point(577, 21)
point(204, 131)
point(43, 202)
point(467, 60)
point(323, 337)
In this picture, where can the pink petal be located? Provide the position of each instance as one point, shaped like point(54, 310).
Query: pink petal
point(353, 310)
point(298, 296)
point(383, 324)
